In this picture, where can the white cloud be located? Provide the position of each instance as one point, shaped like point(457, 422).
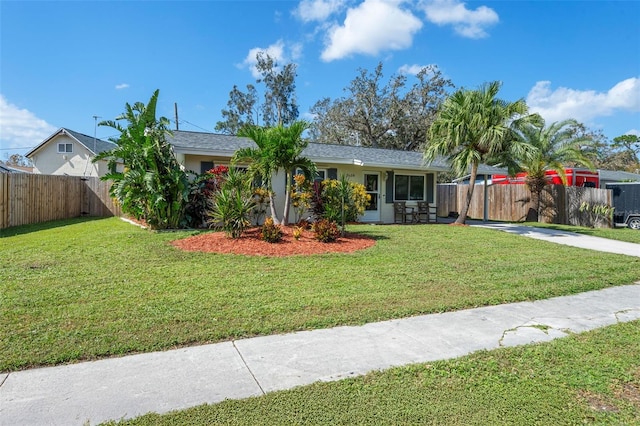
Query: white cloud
point(122, 86)
point(412, 69)
point(583, 105)
point(20, 128)
point(296, 51)
point(317, 10)
point(277, 51)
point(635, 132)
point(466, 22)
point(371, 27)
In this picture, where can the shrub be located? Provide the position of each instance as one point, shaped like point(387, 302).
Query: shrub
point(340, 200)
point(297, 232)
point(328, 200)
point(304, 224)
point(233, 204)
point(201, 195)
point(301, 195)
point(261, 198)
point(326, 231)
point(271, 232)
point(598, 214)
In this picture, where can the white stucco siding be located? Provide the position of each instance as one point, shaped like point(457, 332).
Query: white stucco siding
point(47, 160)
point(353, 173)
point(357, 174)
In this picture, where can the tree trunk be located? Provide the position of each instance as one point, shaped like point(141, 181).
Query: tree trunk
point(533, 215)
point(536, 185)
point(287, 201)
point(272, 206)
point(462, 218)
point(287, 198)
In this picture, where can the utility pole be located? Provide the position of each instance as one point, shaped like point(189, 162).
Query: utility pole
point(175, 107)
point(95, 130)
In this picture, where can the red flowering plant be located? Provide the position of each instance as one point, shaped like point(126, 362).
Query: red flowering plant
point(214, 179)
point(203, 189)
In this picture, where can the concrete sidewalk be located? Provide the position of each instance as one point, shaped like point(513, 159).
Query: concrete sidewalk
point(93, 392)
point(564, 237)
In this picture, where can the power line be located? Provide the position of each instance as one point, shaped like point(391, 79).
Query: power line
point(194, 125)
point(17, 147)
point(181, 121)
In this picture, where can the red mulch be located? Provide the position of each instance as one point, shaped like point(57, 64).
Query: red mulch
point(251, 244)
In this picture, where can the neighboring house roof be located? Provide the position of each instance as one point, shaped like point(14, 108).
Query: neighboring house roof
point(200, 143)
point(618, 176)
point(85, 140)
point(5, 168)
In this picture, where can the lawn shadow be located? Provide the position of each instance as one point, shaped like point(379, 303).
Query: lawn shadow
point(43, 226)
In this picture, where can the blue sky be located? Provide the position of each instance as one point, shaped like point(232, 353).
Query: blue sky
point(62, 62)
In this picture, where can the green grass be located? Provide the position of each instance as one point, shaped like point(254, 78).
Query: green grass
point(81, 289)
point(621, 234)
point(589, 378)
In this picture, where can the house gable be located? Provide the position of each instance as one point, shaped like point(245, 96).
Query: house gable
point(67, 152)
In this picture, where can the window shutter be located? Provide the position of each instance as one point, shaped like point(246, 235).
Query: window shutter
point(333, 173)
point(430, 179)
point(389, 195)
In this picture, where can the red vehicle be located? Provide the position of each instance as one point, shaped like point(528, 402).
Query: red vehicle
point(575, 177)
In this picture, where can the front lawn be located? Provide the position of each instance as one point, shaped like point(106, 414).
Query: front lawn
point(589, 378)
point(85, 289)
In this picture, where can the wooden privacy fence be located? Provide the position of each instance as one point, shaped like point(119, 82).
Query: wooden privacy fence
point(559, 204)
point(27, 198)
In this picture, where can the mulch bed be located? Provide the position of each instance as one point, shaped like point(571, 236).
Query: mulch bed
point(250, 244)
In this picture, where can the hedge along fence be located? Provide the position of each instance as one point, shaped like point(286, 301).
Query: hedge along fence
point(27, 198)
point(559, 204)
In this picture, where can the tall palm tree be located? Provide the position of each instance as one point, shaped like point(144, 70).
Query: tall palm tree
point(556, 146)
point(278, 148)
point(473, 127)
point(262, 164)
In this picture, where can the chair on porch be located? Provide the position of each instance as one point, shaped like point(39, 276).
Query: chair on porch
point(401, 212)
point(426, 210)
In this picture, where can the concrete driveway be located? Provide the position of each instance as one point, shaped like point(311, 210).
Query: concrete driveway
point(563, 237)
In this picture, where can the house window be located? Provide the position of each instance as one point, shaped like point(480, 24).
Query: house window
point(409, 188)
point(321, 174)
point(205, 166)
point(64, 148)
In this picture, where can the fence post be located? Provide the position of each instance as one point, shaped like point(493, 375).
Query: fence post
point(4, 199)
point(485, 215)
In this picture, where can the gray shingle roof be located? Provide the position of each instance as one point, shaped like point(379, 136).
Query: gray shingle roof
point(207, 143)
point(618, 176)
point(85, 140)
point(4, 168)
point(225, 145)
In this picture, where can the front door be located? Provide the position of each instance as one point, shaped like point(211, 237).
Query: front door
point(372, 185)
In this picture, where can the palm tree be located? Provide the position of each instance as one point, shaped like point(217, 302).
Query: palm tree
point(262, 164)
point(473, 127)
point(555, 146)
point(278, 148)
